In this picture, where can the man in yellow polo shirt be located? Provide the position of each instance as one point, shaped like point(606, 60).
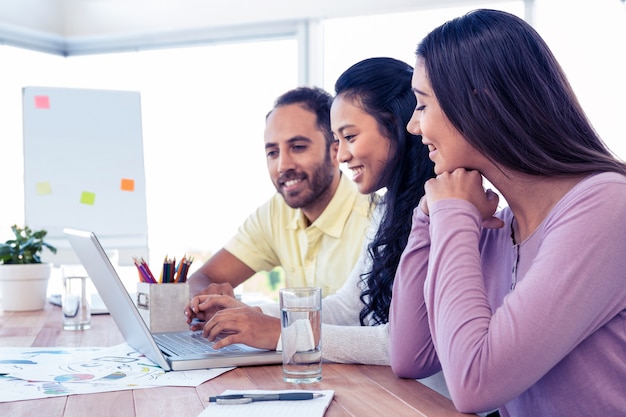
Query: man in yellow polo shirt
point(315, 224)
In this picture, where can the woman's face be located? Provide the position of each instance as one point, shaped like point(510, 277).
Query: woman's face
point(362, 147)
point(448, 149)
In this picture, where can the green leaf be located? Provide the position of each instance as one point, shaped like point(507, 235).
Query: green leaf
point(26, 247)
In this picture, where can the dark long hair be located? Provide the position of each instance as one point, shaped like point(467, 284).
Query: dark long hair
point(500, 86)
point(382, 88)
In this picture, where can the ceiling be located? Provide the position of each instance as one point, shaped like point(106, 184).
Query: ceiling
point(71, 27)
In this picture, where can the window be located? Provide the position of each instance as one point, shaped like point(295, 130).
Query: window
point(203, 116)
point(349, 40)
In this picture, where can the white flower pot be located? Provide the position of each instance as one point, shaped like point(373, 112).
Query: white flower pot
point(24, 287)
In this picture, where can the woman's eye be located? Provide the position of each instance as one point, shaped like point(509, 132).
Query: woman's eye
point(420, 107)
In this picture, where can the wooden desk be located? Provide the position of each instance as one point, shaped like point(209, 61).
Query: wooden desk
point(360, 390)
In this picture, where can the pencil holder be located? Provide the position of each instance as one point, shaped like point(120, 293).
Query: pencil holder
point(161, 306)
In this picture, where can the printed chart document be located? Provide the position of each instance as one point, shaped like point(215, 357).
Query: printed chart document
point(39, 372)
point(304, 408)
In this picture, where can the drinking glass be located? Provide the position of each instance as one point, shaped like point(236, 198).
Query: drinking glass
point(301, 334)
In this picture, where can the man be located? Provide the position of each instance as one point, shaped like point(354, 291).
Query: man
point(314, 226)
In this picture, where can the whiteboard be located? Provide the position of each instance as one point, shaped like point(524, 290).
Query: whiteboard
point(84, 167)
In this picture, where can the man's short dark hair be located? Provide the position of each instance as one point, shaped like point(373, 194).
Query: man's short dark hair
point(315, 100)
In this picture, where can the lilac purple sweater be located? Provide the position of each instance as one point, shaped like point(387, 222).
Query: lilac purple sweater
point(555, 344)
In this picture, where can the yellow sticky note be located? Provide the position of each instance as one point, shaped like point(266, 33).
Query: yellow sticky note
point(127, 184)
point(88, 198)
point(43, 188)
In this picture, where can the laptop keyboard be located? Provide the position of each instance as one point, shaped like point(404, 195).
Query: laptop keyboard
point(191, 344)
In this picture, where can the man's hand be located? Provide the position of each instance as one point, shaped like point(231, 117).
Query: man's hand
point(203, 307)
point(246, 325)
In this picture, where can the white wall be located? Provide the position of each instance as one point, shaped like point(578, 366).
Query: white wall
point(39, 15)
point(589, 40)
point(70, 27)
point(80, 18)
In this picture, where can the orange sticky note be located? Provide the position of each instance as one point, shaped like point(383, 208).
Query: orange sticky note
point(88, 198)
point(42, 102)
point(127, 184)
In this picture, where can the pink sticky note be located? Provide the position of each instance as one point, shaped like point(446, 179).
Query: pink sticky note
point(42, 102)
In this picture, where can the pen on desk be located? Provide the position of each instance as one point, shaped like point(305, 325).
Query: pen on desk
point(248, 398)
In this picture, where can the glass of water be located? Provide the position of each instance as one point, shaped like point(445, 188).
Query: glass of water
point(75, 299)
point(301, 334)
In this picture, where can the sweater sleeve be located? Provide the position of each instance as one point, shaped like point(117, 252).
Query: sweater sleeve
point(343, 307)
point(570, 284)
point(367, 345)
point(412, 353)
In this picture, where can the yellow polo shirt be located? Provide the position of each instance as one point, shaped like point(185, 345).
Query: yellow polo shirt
point(321, 255)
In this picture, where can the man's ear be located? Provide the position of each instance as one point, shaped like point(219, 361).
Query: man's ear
point(334, 151)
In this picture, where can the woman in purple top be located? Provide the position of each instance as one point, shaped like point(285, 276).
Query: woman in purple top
point(523, 308)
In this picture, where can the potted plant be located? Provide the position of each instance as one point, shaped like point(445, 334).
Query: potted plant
point(23, 277)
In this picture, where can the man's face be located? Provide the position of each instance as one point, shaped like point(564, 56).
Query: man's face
point(299, 164)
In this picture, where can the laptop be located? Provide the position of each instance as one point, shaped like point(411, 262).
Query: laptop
point(172, 351)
